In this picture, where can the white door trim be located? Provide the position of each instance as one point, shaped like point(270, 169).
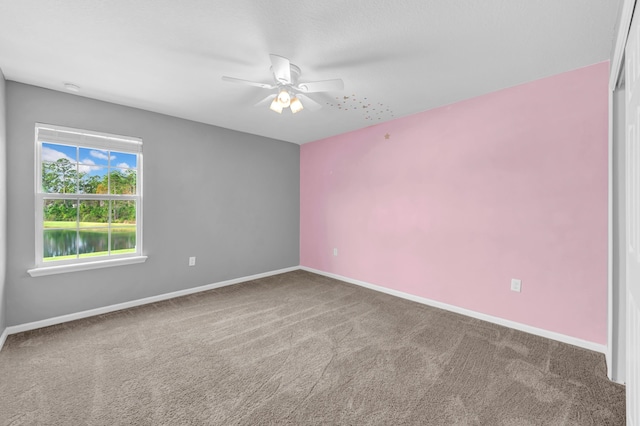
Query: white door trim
point(617, 61)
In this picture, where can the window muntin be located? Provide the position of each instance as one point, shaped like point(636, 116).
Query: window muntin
point(88, 196)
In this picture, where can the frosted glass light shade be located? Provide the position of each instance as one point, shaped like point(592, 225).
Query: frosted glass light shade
point(296, 105)
point(276, 106)
point(284, 98)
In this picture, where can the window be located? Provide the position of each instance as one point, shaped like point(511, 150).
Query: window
point(88, 199)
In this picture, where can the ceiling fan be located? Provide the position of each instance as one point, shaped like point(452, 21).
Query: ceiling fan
point(290, 93)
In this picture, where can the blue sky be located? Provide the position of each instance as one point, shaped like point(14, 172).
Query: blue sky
point(91, 161)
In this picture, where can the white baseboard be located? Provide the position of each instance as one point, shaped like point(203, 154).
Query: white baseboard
point(489, 318)
point(3, 337)
point(117, 307)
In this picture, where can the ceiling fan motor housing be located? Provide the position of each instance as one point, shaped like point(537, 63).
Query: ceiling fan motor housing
point(295, 75)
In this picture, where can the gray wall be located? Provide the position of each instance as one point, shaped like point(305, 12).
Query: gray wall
point(3, 203)
point(229, 198)
point(619, 237)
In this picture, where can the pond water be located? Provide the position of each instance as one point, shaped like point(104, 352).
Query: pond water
point(63, 242)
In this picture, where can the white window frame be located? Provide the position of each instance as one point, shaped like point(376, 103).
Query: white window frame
point(84, 139)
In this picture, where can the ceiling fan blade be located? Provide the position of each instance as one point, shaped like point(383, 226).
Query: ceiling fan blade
point(266, 101)
point(247, 82)
point(321, 86)
point(281, 69)
point(308, 103)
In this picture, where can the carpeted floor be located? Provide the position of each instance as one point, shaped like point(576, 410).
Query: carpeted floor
point(298, 348)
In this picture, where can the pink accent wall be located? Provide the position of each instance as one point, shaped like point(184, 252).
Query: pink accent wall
point(461, 199)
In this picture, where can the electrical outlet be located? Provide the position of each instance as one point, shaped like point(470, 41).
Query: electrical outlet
point(335, 251)
point(192, 261)
point(516, 285)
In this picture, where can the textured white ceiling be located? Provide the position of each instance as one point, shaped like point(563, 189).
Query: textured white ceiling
point(396, 57)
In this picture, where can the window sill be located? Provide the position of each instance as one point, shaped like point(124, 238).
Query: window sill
point(63, 269)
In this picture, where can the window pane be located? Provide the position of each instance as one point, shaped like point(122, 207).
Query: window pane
point(123, 227)
point(59, 168)
point(93, 157)
point(60, 214)
point(59, 230)
point(53, 152)
point(95, 180)
point(59, 244)
point(60, 177)
point(124, 160)
point(93, 241)
point(94, 214)
point(123, 212)
point(93, 235)
point(123, 181)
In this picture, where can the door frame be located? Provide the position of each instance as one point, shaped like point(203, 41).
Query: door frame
point(617, 67)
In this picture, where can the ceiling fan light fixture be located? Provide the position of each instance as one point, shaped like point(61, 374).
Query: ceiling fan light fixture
point(287, 87)
point(284, 98)
point(276, 106)
point(296, 105)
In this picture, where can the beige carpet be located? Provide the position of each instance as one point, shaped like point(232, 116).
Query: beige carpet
point(298, 349)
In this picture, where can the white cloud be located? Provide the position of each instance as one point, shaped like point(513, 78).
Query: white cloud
point(87, 166)
point(123, 165)
point(102, 155)
point(50, 154)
